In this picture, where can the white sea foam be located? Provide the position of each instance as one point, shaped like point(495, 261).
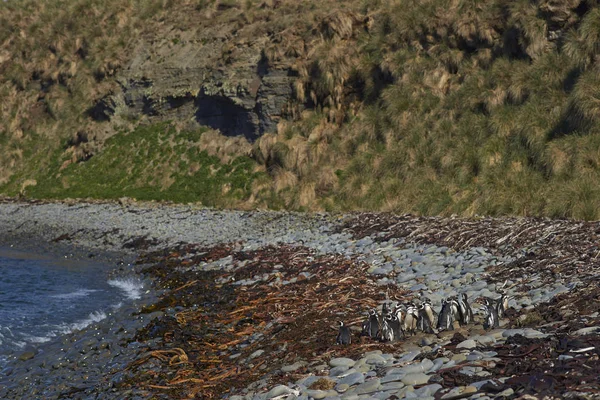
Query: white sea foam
point(74, 295)
point(131, 286)
point(37, 339)
point(95, 316)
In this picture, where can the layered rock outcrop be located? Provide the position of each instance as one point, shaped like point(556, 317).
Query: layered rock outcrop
point(212, 81)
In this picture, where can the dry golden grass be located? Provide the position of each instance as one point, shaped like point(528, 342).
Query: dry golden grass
point(435, 106)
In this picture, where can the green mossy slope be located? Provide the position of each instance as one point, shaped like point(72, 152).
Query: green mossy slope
point(154, 162)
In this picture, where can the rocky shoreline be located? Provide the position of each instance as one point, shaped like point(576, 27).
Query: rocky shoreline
point(283, 279)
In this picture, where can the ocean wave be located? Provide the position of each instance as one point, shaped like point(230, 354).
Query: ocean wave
point(95, 316)
point(131, 286)
point(37, 339)
point(76, 294)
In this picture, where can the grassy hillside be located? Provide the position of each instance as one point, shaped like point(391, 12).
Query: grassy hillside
point(430, 106)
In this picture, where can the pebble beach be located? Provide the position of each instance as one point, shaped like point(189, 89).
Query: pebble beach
point(244, 305)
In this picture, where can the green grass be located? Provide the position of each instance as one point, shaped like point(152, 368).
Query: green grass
point(152, 162)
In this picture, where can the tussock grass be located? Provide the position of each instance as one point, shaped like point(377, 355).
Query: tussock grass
point(431, 107)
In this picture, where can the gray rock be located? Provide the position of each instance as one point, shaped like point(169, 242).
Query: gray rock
point(588, 330)
point(417, 378)
point(467, 344)
point(369, 386)
point(342, 387)
point(424, 366)
point(309, 380)
point(392, 385)
point(484, 340)
point(411, 355)
point(459, 392)
point(279, 390)
point(256, 354)
point(320, 394)
point(352, 379)
point(26, 355)
point(293, 367)
point(342, 362)
point(428, 390)
point(338, 371)
point(375, 359)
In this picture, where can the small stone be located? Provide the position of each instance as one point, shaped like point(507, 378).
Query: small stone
point(257, 353)
point(505, 393)
point(369, 386)
point(411, 355)
point(342, 387)
point(392, 386)
point(458, 358)
point(423, 366)
point(467, 344)
point(417, 378)
point(459, 392)
point(293, 367)
point(392, 378)
point(280, 390)
point(26, 355)
point(320, 394)
point(352, 379)
point(337, 371)
point(484, 340)
point(342, 362)
point(588, 330)
point(474, 356)
point(375, 359)
point(428, 390)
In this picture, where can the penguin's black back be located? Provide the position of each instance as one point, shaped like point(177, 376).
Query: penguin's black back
point(344, 336)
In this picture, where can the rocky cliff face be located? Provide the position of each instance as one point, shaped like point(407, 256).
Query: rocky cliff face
point(205, 78)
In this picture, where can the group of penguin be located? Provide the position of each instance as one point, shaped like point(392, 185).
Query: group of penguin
point(394, 323)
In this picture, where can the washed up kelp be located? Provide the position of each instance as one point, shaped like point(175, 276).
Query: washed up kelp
point(272, 307)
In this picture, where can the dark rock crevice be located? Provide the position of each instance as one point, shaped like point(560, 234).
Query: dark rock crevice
point(221, 112)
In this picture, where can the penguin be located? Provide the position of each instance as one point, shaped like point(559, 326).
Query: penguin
point(387, 333)
point(465, 309)
point(344, 336)
point(429, 311)
point(394, 323)
point(424, 320)
point(411, 318)
point(455, 310)
point(366, 325)
point(400, 314)
point(372, 324)
point(502, 305)
point(384, 310)
point(491, 314)
point(445, 317)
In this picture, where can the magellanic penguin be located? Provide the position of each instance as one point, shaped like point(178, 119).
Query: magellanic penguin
point(371, 325)
point(491, 314)
point(394, 323)
point(344, 336)
point(424, 319)
point(465, 309)
point(445, 318)
point(387, 333)
point(400, 312)
point(502, 305)
point(411, 319)
point(455, 309)
point(430, 312)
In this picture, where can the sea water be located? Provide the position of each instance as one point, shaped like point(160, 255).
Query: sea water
point(42, 298)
